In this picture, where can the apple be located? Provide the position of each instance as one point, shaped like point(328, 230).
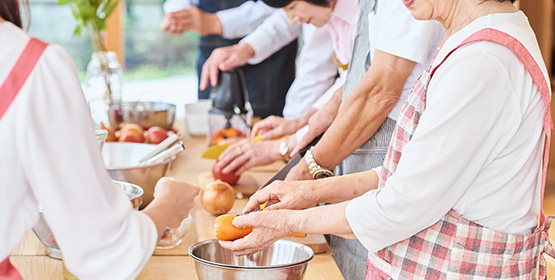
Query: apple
point(229, 178)
point(135, 129)
point(157, 134)
point(130, 137)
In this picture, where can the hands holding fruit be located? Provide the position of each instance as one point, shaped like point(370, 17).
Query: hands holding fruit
point(267, 227)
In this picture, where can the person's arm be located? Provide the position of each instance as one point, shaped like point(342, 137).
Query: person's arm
point(305, 194)
point(230, 23)
point(272, 35)
point(316, 72)
point(365, 109)
point(91, 218)
point(240, 21)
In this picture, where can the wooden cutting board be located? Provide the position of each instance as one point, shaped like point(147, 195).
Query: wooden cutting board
point(205, 229)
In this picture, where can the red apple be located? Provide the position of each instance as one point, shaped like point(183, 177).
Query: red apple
point(130, 137)
point(157, 134)
point(229, 178)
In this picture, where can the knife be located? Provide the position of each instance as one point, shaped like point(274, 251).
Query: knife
point(282, 173)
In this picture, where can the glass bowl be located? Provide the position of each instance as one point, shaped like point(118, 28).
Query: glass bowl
point(173, 236)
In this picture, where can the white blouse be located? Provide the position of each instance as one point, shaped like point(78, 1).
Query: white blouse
point(477, 149)
point(49, 155)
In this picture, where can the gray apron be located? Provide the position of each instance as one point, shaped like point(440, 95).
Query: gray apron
point(351, 255)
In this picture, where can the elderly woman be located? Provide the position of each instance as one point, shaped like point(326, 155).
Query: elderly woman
point(462, 185)
point(340, 17)
point(49, 155)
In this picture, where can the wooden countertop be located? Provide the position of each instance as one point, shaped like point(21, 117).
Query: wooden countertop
point(31, 261)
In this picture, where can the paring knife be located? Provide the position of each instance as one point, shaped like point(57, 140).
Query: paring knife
point(282, 173)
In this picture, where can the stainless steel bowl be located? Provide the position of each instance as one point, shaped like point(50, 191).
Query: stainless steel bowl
point(280, 261)
point(45, 235)
point(145, 114)
point(122, 163)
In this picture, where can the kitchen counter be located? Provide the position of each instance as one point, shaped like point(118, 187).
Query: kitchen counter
point(31, 261)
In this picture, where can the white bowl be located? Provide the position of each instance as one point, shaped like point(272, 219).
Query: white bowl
point(196, 117)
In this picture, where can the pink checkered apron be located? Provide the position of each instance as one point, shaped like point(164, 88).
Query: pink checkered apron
point(454, 247)
point(8, 91)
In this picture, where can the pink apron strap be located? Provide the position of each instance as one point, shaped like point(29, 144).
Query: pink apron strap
point(502, 38)
point(8, 91)
point(8, 271)
point(19, 73)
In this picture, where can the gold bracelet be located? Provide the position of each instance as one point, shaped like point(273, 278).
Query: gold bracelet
point(315, 169)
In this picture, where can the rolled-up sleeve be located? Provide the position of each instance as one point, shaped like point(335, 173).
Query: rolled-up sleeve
point(274, 33)
point(239, 21)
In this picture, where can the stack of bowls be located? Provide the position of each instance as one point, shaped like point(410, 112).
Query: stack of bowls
point(45, 235)
point(122, 163)
point(284, 260)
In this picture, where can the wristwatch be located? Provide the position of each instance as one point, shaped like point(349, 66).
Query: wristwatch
point(315, 169)
point(284, 149)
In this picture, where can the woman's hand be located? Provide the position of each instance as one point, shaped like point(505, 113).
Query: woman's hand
point(172, 202)
point(247, 153)
point(269, 226)
point(284, 195)
point(274, 126)
point(320, 121)
point(223, 59)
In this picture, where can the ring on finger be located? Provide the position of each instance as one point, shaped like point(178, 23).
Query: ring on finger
point(239, 151)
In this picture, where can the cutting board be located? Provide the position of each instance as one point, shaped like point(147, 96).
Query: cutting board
point(205, 229)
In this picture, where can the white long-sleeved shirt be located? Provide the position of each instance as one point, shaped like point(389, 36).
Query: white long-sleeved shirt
point(49, 155)
point(477, 149)
point(316, 71)
point(236, 22)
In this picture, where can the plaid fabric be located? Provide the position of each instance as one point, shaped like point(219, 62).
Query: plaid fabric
point(454, 247)
point(406, 125)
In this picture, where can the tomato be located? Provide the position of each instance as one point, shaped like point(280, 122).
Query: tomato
point(229, 178)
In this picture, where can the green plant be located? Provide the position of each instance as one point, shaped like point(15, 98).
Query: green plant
point(91, 15)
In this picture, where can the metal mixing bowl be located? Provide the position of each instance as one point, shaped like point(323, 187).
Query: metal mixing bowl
point(145, 114)
point(122, 163)
point(45, 235)
point(283, 260)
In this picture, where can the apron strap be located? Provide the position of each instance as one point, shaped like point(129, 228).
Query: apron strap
point(530, 64)
point(8, 91)
point(19, 73)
